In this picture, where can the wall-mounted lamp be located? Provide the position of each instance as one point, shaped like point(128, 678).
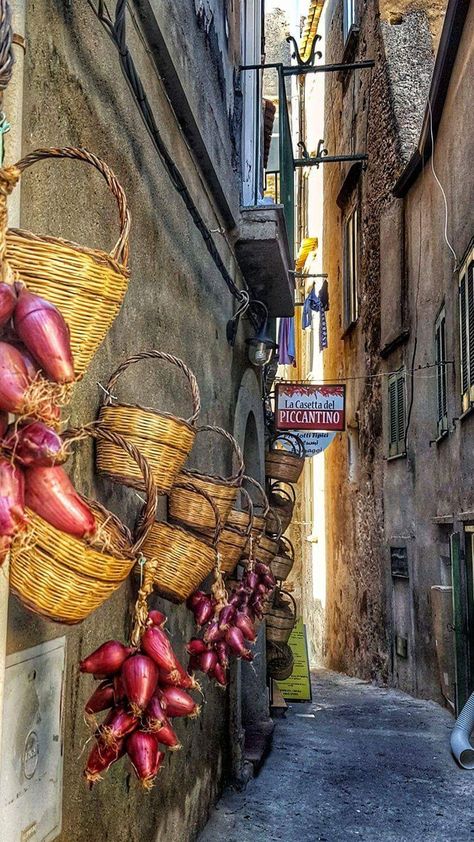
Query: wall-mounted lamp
point(261, 346)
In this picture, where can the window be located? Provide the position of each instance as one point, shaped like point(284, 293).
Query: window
point(350, 269)
point(348, 18)
point(396, 413)
point(251, 50)
point(441, 381)
point(466, 330)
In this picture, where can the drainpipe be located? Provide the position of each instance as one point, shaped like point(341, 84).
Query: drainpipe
point(13, 106)
point(461, 745)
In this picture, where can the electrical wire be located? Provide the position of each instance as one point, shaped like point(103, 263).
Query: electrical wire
point(378, 376)
point(117, 32)
point(456, 262)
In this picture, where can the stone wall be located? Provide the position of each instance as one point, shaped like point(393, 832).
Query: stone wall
point(75, 94)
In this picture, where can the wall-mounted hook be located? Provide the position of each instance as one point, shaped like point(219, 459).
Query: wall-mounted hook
point(304, 151)
point(309, 62)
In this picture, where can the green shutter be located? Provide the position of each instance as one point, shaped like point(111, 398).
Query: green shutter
point(470, 328)
point(463, 338)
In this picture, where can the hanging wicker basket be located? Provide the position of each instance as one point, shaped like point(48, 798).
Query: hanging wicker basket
point(282, 464)
point(280, 661)
point(282, 564)
point(87, 285)
point(182, 559)
point(64, 578)
point(259, 520)
point(280, 618)
point(269, 544)
point(235, 536)
point(164, 440)
point(282, 500)
point(186, 505)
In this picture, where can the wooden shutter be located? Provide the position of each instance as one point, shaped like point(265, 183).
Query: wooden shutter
point(441, 378)
point(463, 339)
point(397, 413)
point(470, 327)
point(401, 412)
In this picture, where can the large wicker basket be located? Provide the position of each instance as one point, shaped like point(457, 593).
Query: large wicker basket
point(280, 618)
point(282, 464)
point(181, 558)
point(235, 536)
point(186, 505)
point(64, 578)
point(259, 520)
point(282, 500)
point(87, 285)
point(162, 438)
point(282, 564)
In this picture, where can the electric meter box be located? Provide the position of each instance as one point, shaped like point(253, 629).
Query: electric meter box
point(31, 773)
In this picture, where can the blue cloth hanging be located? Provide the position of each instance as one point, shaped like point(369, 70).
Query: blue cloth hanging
point(286, 341)
point(313, 304)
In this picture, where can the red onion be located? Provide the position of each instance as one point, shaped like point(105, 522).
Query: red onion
point(213, 633)
point(3, 423)
point(220, 674)
point(195, 599)
point(179, 677)
point(251, 581)
point(140, 677)
point(244, 623)
point(203, 611)
point(7, 303)
point(36, 444)
point(117, 725)
point(143, 751)
point(156, 643)
point(155, 712)
point(207, 661)
point(100, 759)
point(119, 690)
point(30, 364)
point(101, 699)
point(193, 663)
point(235, 639)
point(51, 494)
point(262, 569)
point(12, 498)
point(107, 659)
point(226, 616)
point(42, 328)
point(196, 646)
point(157, 618)
point(268, 580)
point(222, 651)
point(179, 703)
point(167, 737)
point(14, 380)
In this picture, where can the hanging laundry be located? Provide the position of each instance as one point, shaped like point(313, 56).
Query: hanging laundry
point(324, 295)
point(286, 341)
point(314, 304)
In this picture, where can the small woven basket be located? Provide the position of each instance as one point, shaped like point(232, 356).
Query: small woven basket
point(280, 661)
point(164, 440)
point(186, 505)
point(64, 578)
point(181, 558)
point(235, 535)
point(280, 619)
point(282, 464)
point(87, 285)
point(282, 564)
point(259, 520)
point(282, 502)
point(268, 545)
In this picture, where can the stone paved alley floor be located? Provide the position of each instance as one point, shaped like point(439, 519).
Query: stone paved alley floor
point(358, 763)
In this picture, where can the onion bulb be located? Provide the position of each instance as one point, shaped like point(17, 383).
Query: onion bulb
point(107, 659)
point(36, 444)
point(7, 302)
point(43, 330)
point(140, 677)
point(12, 499)
point(143, 750)
point(51, 494)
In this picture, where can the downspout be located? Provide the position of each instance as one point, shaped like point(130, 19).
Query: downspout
point(13, 106)
point(461, 745)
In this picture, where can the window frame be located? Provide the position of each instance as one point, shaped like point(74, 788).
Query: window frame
point(350, 268)
point(466, 331)
point(441, 373)
point(397, 442)
point(349, 19)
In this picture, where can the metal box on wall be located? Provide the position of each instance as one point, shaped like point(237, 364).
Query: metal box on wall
point(32, 747)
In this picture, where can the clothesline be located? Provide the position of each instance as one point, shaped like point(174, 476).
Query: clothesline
point(339, 379)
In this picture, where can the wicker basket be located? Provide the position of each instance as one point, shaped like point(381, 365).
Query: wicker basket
point(186, 505)
point(182, 558)
point(280, 661)
point(164, 440)
point(63, 578)
point(280, 619)
point(282, 564)
point(259, 520)
point(282, 502)
point(87, 285)
point(282, 464)
point(235, 535)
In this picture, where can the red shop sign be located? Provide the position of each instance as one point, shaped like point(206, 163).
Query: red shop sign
point(303, 406)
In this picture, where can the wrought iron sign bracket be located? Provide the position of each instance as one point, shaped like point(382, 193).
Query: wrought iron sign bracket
point(309, 62)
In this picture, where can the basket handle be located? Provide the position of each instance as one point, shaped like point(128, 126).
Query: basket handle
point(120, 250)
point(188, 486)
point(148, 515)
point(290, 546)
point(275, 536)
point(287, 593)
point(265, 504)
point(291, 494)
point(236, 479)
point(157, 355)
point(294, 440)
point(249, 503)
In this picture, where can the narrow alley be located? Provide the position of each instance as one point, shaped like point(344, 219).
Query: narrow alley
point(358, 762)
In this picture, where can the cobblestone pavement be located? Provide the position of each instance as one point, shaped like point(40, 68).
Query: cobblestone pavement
point(359, 762)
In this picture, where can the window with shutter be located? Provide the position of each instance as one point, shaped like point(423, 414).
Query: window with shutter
point(397, 413)
point(441, 380)
point(350, 268)
point(466, 330)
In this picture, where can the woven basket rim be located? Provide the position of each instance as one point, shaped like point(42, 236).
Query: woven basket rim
point(234, 482)
point(98, 255)
point(196, 535)
point(149, 409)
